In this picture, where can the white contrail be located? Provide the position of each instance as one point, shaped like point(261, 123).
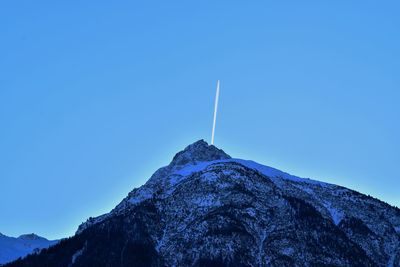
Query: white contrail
point(215, 113)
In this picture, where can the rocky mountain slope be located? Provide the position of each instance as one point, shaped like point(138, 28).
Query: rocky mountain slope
point(12, 248)
point(207, 209)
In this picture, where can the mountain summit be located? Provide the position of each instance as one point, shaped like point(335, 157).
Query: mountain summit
point(208, 209)
point(12, 248)
point(199, 151)
point(31, 236)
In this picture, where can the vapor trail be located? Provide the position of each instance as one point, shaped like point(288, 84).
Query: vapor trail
point(215, 113)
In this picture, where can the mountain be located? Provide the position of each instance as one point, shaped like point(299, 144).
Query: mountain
point(12, 248)
point(208, 209)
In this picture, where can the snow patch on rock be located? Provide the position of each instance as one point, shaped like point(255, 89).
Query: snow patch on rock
point(141, 195)
point(76, 255)
point(336, 214)
point(207, 201)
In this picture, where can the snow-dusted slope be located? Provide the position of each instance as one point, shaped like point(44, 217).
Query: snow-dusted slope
point(207, 209)
point(365, 221)
point(12, 248)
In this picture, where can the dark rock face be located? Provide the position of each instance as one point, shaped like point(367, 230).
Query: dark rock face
point(206, 209)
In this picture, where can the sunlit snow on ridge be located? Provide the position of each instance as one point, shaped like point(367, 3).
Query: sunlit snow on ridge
point(265, 170)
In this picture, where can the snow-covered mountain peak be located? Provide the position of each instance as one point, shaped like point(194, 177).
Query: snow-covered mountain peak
point(12, 248)
point(31, 236)
point(199, 151)
point(207, 209)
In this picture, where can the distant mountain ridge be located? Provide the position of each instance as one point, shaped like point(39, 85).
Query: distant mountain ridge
point(208, 209)
point(12, 248)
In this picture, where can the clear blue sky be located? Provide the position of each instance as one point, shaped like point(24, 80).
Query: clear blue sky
point(96, 95)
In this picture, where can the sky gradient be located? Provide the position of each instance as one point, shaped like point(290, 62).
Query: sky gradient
point(95, 96)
